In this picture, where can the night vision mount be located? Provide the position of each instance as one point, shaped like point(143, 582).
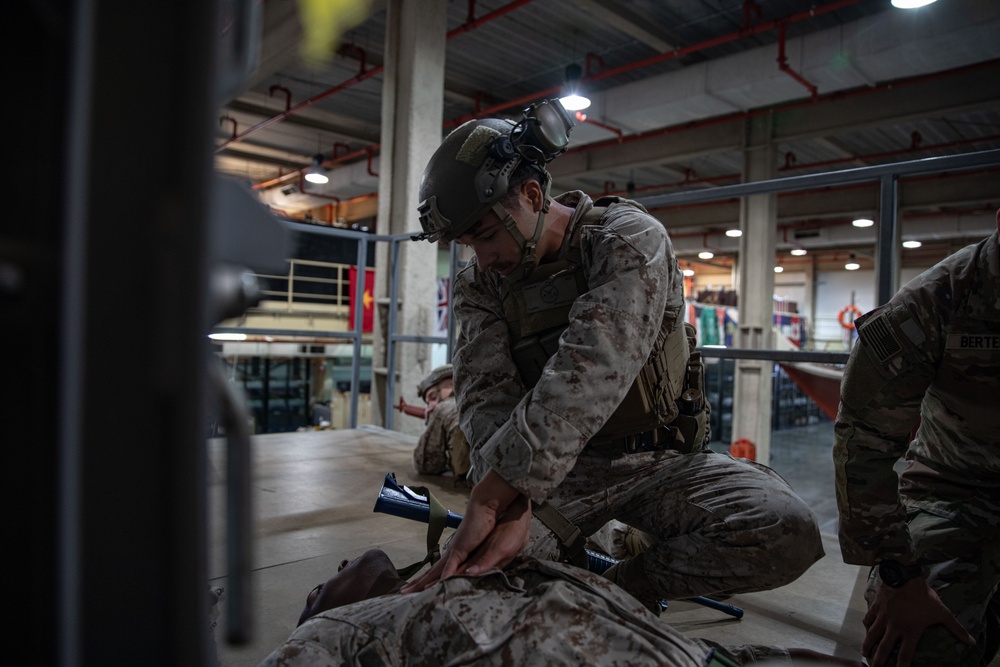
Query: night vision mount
point(539, 137)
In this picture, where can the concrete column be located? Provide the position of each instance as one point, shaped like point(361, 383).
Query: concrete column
point(412, 116)
point(808, 306)
point(755, 287)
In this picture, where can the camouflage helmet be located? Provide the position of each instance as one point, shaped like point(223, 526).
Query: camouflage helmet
point(466, 176)
point(436, 377)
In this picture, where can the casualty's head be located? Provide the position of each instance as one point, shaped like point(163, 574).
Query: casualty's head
point(369, 575)
point(477, 172)
point(437, 386)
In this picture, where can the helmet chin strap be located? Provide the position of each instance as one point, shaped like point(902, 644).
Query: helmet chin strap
point(529, 258)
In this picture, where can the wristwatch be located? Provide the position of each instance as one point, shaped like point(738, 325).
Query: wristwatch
point(894, 574)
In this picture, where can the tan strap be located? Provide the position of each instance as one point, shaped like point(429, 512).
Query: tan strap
point(435, 526)
point(568, 534)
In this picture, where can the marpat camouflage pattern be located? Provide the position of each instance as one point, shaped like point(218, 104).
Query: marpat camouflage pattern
point(720, 525)
point(534, 613)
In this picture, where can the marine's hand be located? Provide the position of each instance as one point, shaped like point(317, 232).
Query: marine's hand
point(900, 616)
point(504, 542)
point(493, 531)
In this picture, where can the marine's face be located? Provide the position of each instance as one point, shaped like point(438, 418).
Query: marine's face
point(494, 246)
point(369, 575)
point(438, 393)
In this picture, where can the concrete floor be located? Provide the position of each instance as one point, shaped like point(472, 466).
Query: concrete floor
point(314, 499)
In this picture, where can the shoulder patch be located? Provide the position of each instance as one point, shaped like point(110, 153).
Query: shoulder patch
point(913, 331)
point(877, 333)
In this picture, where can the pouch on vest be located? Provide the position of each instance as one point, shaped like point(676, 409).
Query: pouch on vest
point(650, 401)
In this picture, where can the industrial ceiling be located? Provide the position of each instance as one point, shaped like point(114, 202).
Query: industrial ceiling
point(674, 84)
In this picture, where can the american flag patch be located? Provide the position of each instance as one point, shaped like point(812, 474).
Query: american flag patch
point(878, 335)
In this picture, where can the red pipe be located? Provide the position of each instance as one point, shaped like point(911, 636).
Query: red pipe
point(743, 115)
point(363, 75)
point(302, 189)
point(472, 23)
point(839, 4)
point(784, 67)
point(676, 53)
point(362, 56)
point(337, 145)
point(621, 135)
point(230, 119)
point(371, 172)
point(336, 160)
point(839, 95)
point(288, 94)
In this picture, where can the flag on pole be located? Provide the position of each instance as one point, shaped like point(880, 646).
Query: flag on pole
point(368, 298)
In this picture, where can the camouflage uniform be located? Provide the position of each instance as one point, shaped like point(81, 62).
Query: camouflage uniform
point(720, 525)
point(535, 613)
point(931, 354)
point(442, 445)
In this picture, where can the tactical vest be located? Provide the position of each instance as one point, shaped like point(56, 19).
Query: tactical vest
point(537, 313)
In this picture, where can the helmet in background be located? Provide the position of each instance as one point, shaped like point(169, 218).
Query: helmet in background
point(436, 376)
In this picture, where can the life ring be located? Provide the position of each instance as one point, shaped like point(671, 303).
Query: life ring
point(849, 325)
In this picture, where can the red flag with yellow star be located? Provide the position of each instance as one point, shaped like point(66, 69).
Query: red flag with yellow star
point(368, 315)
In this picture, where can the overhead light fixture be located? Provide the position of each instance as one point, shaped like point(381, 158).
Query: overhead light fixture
point(912, 244)
point(863, 222)
point(315, 174)
point(227, 336)
point(734, 233)
point(852, 264)
point(705, 254)
point(910, 4)
point(778, 268)
point(688, 272)
point(798, 252)
point(573, 98)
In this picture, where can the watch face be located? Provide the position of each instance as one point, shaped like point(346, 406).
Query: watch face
point(894, 574)
point(891, 573)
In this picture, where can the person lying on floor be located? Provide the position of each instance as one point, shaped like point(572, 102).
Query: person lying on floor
point(532, 613)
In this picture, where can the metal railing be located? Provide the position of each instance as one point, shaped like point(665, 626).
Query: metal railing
point(887, 176)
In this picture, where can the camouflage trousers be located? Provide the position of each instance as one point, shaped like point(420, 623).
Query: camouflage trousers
point(964, 570)
point(720, 525)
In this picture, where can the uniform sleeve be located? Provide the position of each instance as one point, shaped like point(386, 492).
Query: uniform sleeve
point(533, 439)
point(887, 376)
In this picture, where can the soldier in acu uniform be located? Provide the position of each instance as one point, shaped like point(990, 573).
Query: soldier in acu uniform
point(577, 384)
point(931, 355)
